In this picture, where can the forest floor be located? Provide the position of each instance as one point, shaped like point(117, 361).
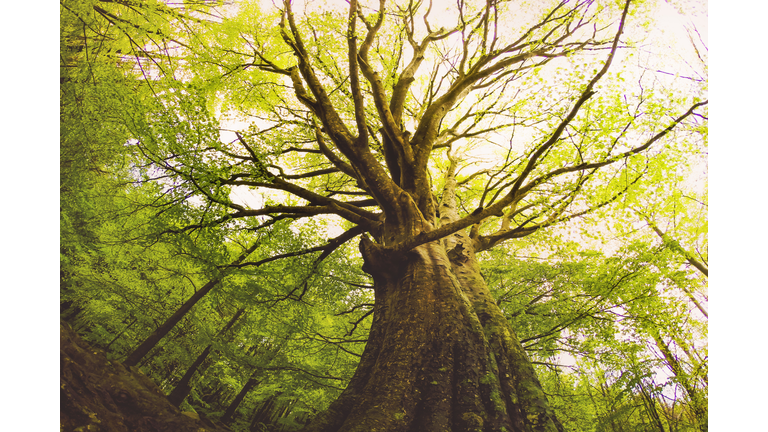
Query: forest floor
point(98, 394)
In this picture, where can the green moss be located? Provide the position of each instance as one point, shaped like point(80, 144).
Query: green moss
point(530, 390)
point(497, 401)
point(434, 383)
point(473, 421)
point(488, 378)
point(443, 369)
point(399, 415)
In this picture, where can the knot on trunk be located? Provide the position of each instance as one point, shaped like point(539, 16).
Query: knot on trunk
point(378, 261)
point(458, 254)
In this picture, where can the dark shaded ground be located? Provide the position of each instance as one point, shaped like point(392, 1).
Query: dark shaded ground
point(98, 394)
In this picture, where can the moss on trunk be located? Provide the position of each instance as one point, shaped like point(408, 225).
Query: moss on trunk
point(440, 356)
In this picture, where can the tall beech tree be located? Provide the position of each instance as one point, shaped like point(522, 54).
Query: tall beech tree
point(365, 116)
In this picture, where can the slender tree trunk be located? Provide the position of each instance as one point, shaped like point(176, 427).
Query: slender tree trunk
point(650, 408)
point(693, 300)
point(232, 408)
point(183, 388)
point(142, 350)
point(697, 403)
point(150, 342)
point(263, 413)
point(120, 334)
point(675, 245)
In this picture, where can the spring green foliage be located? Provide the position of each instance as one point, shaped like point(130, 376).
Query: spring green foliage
point(600, 318)
point(621, 339)
point(610, 308)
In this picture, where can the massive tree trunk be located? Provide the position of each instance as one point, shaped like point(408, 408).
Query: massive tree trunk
point(440, 356)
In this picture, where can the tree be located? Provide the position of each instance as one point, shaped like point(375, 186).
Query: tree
point(182, 389)
point(367, 119)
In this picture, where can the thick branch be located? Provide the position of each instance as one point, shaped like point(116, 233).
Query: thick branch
point(354, 78)
point(354, 148)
